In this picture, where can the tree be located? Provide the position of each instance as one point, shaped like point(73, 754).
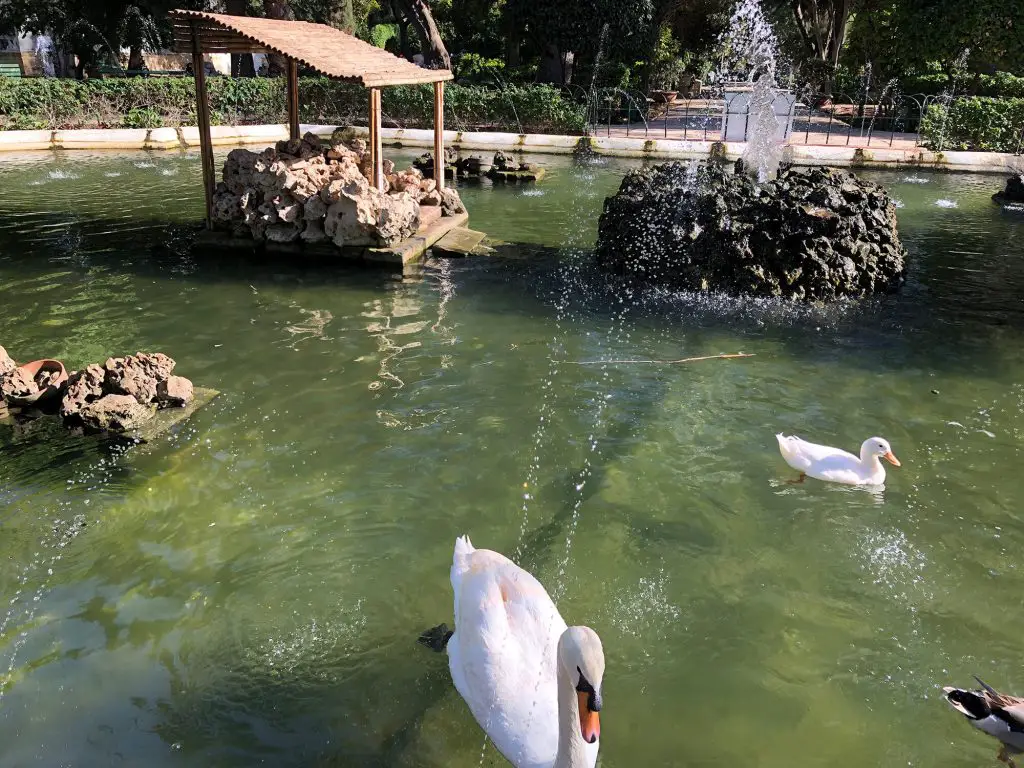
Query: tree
point(277, 9)
point(822, 25)
point(574, 34)
point(417, 12)
point(92, 29)
point(907, 37)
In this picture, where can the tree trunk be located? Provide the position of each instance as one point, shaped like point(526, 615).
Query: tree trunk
point(241, 63)
point(822, 25)
point(435, 55)
point(343, 18)
point(840, 19)
point(513, 41)
point(555, 66)
point(135, 60)
point(277, 9)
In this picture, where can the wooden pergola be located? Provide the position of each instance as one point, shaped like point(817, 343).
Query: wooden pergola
point(327, 50)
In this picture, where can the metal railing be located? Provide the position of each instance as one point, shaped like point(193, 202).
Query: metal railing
point(887, 120)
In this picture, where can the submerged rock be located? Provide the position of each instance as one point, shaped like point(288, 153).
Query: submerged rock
point(820, 234)
point(115, 413)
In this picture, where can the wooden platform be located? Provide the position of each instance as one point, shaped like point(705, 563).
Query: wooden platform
point(459, 242)
point(433, 227)
point(166, 418)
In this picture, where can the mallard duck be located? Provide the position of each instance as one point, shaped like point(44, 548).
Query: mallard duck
point(994, 713)
point(836, 465)
point(532, 683)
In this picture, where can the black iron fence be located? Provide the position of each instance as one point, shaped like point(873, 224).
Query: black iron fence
point(888, 119)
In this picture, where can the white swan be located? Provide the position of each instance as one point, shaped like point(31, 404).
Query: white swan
point(532, 683)
point(836, 465)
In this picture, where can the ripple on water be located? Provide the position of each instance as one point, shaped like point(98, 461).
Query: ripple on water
point(946, 203)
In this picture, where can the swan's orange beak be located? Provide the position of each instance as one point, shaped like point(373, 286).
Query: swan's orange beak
point(590, 721)
point(888, 456)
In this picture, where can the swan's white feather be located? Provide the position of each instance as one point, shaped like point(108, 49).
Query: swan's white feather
point(502, 655)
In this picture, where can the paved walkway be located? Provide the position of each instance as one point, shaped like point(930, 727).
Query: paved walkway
point(701, 120)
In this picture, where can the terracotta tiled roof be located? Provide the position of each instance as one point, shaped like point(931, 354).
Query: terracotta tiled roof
point(329, 51)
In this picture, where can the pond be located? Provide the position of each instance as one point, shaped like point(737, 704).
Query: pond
point(248, 589)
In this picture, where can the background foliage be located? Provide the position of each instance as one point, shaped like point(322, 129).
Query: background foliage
point(50, 103)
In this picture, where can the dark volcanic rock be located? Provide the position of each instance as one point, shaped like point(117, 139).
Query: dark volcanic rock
point(115, 413)
point(1014, 192)
point(820, 234)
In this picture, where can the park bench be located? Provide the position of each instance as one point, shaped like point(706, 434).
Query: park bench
point(10, 70)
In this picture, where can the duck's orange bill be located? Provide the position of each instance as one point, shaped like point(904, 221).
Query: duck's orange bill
point(888, 456)
point(590, 723)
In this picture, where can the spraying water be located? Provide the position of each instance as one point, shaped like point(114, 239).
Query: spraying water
point(945, 101)
point(44, 52)
point(751, 55)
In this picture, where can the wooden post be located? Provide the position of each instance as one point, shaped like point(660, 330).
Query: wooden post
point(439, 168)
point(293, 98)
point(203, 113)
point(372, 125)
point(376, 149)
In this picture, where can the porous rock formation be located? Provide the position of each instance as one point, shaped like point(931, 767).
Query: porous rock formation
point(819, 234)
point(97, 397)
point(120, 395)
point(305, 190)
point(7, 365)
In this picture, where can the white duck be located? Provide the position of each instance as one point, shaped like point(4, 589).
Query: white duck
point(836, 465)
point(532, 683)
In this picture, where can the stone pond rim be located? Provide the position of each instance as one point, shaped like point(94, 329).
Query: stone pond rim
point(821, 235)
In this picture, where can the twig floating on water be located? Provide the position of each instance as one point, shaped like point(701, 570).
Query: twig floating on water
point(726, 356)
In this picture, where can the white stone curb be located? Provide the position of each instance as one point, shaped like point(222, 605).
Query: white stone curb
point(483, 141)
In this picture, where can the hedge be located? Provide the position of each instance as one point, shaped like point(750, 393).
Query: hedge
point(998, 85)
point(975, 123)
point(141, 102)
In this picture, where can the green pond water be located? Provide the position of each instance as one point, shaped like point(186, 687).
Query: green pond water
point(248, 589)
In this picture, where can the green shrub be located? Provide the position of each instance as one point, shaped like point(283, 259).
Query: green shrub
point(153, 102)
point(1001, 84)
point(974, 123)
point(472, 68)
